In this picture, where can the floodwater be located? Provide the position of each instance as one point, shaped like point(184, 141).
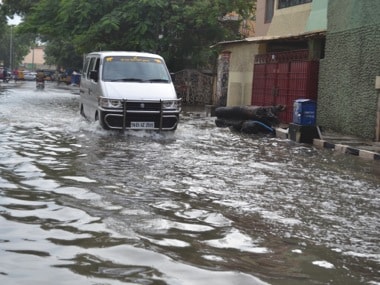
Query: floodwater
point(203, 205)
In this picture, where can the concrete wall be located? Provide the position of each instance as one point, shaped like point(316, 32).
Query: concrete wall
point(318, 16)
point(241, 73)
point(289, 21)
point(261, 26)
point(292, 20)
point(347, 99)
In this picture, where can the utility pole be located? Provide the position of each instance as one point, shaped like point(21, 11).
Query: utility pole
point(11, 50)
point(33, 69)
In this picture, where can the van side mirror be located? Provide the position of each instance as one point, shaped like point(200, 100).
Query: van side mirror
point(94, 75)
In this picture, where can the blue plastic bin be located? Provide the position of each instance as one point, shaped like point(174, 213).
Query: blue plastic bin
point(304, 112)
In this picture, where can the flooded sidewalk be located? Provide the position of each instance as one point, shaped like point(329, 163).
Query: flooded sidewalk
point(338, 142)
point(349, 145)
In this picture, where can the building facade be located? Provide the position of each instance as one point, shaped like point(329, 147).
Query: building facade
point(348, 101)
point(35, 59)
point(342, 37)
point(280, 63)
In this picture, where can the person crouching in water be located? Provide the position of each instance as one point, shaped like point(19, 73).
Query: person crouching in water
point(40, 79)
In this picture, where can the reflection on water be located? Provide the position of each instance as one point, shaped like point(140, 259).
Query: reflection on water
point(80, 205)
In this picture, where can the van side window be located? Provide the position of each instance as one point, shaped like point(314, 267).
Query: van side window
point(97, 64)
point(96, 68)
point(85, 67)
point(90, 66)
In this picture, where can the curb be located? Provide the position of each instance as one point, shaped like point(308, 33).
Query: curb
point(346, 149)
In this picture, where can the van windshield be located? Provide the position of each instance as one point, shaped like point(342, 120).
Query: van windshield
point(134, 69)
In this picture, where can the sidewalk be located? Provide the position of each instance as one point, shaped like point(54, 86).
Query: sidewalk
point(341, 143)
point(349, 145)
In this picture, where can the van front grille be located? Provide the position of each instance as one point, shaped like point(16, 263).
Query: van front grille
point(143, 106)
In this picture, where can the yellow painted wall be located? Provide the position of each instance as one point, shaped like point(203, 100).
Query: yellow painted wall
point(241, 74)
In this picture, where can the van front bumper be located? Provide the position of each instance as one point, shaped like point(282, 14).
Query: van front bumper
point(141, 115)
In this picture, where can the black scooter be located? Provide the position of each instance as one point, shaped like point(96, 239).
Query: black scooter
point(40, 85)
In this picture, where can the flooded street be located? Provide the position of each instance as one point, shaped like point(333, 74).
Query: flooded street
point(203, 205)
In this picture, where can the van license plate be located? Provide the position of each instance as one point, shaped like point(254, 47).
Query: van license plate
point(142, 125)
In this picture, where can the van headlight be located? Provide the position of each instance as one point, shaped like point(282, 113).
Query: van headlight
point(110, 103)
point(169, 104)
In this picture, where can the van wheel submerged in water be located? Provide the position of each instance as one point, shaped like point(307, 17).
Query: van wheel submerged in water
point(101, 122)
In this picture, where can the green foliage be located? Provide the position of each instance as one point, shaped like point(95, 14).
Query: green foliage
point(20, 45)
point(20, 7)
point(180, 30)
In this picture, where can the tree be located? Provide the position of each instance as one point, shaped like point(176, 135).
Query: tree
point(13, 45)
point(180, 30)
point(11, 41)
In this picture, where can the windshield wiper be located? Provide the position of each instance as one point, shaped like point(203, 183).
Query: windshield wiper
point(132, 79)
point(127, 80)
point(157, 80)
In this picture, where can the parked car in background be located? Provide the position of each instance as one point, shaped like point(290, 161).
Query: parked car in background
point(49, 75)
point(30, 75)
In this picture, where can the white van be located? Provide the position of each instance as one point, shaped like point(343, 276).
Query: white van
point(128, 90)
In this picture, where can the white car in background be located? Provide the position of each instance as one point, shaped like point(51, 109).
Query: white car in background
point(30, 76)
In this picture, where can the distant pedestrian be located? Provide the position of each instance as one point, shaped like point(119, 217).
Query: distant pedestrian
point(15, 75)
point(5, 75)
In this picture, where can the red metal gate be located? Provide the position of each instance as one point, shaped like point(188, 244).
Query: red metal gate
point(282, 78)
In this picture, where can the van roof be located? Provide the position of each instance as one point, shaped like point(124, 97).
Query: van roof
point(124, 53)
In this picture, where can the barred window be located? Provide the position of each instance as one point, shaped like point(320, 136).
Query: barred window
point(289, 3)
